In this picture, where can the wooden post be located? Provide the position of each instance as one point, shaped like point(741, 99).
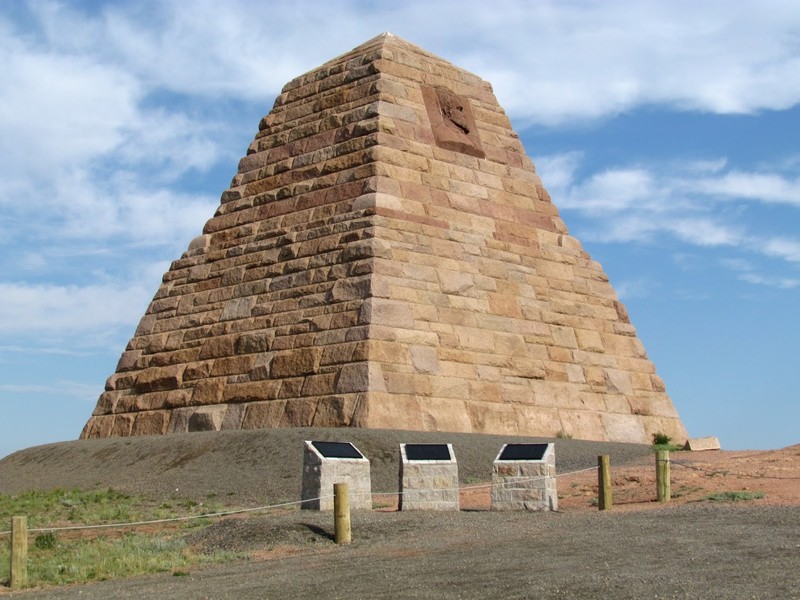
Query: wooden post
point(341, 513)
point(662, 476)
point(603, 483)
point(19, 552)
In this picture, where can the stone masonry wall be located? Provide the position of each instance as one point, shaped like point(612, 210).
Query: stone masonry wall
point(387, 257)
point(429, 485)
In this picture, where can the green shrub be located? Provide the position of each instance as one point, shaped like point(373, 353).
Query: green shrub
point(45, 541)
point(739, 496)
point(661, 439)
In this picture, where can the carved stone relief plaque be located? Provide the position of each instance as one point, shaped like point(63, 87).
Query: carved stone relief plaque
point(452, 121)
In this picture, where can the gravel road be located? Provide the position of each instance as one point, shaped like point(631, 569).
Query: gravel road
point(692, 551)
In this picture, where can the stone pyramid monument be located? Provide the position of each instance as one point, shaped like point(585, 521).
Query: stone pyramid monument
point(387, 257)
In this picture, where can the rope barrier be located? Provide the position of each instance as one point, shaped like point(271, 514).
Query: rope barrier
point(171, 519)
point(273, 506)
point(326, 497)
point(723, 473)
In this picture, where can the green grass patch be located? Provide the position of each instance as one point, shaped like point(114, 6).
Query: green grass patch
point(740, 496)
point(667, 447)
point(661, 441)
point(93, 507)
point(56, 559)
point(73, 506)
point(78, 561)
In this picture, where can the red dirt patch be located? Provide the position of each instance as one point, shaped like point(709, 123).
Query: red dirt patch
point(693, 477)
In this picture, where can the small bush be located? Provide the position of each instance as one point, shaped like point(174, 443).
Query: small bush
point(661, 439)
point(563, 435)
point(45, 541)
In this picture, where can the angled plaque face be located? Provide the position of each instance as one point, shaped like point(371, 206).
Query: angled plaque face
point(337, 450)
point(428, 452)
point(523, 452)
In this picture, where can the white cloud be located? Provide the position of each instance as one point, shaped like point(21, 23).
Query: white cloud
point(704, 232)
point(634, 203)
point(687, 203)
point(783, 283)
point(750, 273)
point(558, 170)
point(63, 309)
point(587, 60)
point(62, 388)
point(55, 350)
point(118, 210)
point(244, 49)
point(762, 187)
point(127, 212)
point(76, 110)
point(702, 167)
point(787, 249)
point(614, 190)
point(637, 228)
point(73, 319)
point(550, 62)
point(58, 109)
point(635, 288)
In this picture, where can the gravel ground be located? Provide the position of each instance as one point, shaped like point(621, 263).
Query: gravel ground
point(696, 550)
point(691, 551)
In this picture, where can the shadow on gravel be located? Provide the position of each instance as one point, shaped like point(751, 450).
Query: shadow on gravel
point(319, 531)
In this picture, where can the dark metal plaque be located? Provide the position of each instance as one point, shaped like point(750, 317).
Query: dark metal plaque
point(337, 450)
point(428, 452)
point(523, 452)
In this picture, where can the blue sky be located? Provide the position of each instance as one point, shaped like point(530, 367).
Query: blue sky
point(667, 133)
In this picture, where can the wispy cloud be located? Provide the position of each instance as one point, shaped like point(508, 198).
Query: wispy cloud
point(578, 60)
point(749, 272)
point(759, 187)
point(68, 309)
point(787, 249)
point(636, 288)
point(691, 202)
point(63, 388)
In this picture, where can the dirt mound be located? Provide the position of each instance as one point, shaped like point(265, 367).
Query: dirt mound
point(256, 466)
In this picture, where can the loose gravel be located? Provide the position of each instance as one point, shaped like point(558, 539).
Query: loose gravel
point(691, 551)
point(698, 551)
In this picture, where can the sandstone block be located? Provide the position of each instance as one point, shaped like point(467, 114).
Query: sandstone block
point(304, 361)
point(159, 379)
point(151, 423)
point(425, 359)
point(207, 418)
point(263, 414)
point(703, 443)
